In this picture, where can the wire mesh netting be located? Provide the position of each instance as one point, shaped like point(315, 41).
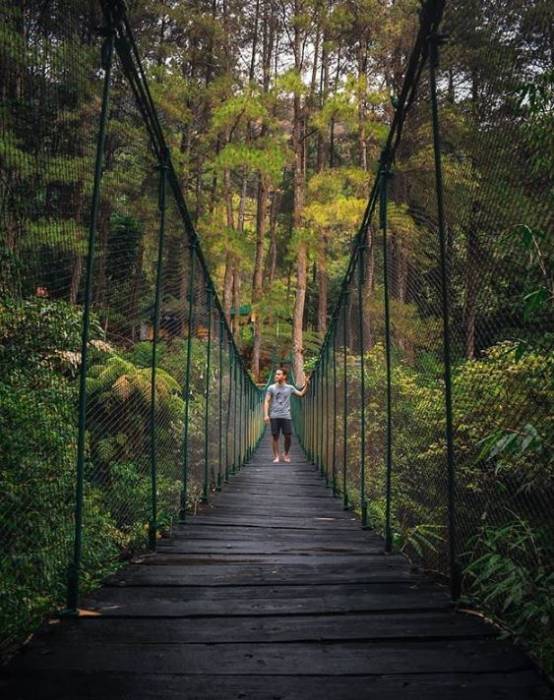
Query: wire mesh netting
point(467, 498)
point(159, 434)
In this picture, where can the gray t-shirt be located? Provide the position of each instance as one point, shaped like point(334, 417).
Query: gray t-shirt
point(280, 400)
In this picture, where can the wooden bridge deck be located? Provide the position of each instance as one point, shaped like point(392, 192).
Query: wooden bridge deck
point(273, 592)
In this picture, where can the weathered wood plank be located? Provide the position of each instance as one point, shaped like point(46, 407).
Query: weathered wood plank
point(295, 658)
point(321, 522)
point(249, 573)
point(91, 685)
point(220, 599)
point(224, 534)
point(258, 547)
point(294, 628)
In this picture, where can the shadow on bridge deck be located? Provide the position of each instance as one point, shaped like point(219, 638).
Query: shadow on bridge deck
point(273, 592)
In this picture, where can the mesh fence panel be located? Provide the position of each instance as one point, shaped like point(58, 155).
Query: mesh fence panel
point(479, 516)
point(151, 450)
point(47, 86)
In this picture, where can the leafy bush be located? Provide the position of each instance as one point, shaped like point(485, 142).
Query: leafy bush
point(510, 575)
point(505, 476)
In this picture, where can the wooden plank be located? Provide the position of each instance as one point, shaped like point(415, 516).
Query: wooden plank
point(322, 523)
point(278, 548)
point(313, 496)
point(298, 628)
point(250, 574)
point(289, 512)
point(295, 658)
point(210, 600)
point(224, 534)
point(91, 685)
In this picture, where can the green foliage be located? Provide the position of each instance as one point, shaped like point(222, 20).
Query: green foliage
point(268, 158)
point(510, 574)
point(504, 473)
point(38, 437)
point(38, 433)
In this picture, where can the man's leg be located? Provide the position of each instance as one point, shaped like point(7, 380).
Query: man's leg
point(275, 440)
point(287, 430)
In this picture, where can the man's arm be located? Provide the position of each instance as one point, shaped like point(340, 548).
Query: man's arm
point(266, 407)
point(301, 392)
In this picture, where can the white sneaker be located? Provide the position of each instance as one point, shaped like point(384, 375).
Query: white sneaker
point(276, 460)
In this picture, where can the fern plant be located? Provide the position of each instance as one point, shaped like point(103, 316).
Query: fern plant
point(510, 575)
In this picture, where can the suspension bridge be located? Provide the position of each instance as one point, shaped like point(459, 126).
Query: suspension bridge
point(151, 549)
point(274, 591)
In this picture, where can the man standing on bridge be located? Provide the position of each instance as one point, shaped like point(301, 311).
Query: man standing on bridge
point(277, 411)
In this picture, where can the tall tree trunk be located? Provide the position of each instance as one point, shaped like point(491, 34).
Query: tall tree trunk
point(271, 267)
point(369, 289)
point(297, 211)
point(76, 271)
point(229, 257)
point(472, 247)
point(362, 77)
point(471, 289)
point(228, 286)
point(323, 285)
point(236, 301)
point(136, 285)
point(258, 277)
point(332, 125)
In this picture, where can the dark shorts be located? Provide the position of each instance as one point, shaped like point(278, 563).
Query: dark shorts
point(283, 424)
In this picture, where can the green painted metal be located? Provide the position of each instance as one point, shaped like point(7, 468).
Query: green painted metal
point(321, 417)
point(241, 422)
point(228, 422)
point(345, 500)
point(328, 461)
point(384, 178)
point(186, 391)
point(74, 568)
point(334, 457)
point(220, 473)
point(363, 499)
point(208, 370)
point(434, 41)
point(153, 524)
point(235, 421)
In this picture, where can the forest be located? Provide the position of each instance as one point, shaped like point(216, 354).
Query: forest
point(275, 113)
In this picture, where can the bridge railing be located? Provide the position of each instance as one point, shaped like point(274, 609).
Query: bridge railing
point(125, 400)
point(429, 409)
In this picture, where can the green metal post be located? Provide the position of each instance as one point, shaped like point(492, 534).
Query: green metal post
point(363, 500)
point(186, 391)
point(321, 417)
point(247, 415)
point(383, 185)
point(235, 422)
point(228, 418)
point(327, 430)
point(208, 369)
point(312, 418)
point(317, 443)
point(251, 422)
point(334, 458)
point(346, 504)
point(308, 418)
point(455, 575)
point(153, 525)
point(74, 568)
point(251, 419)
point(241, 417)
point(220, 414)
